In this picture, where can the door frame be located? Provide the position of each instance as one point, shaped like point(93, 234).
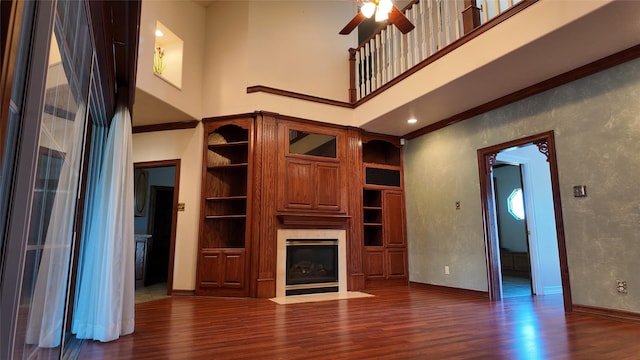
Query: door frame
point(174, 210)
point(486, 158)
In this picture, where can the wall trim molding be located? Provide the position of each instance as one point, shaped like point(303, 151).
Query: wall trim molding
point(296, 95)
point(451, 290)
point(611, 314)
point(183, 292)
point(178, 125)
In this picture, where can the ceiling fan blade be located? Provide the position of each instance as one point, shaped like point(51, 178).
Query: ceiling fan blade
point(398, 19)
point(353, 24)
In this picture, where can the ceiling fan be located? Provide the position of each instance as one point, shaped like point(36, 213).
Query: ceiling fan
point(383, 10)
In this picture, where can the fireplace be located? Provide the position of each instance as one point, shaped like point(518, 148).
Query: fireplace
point(311, 261)
point(312, 266)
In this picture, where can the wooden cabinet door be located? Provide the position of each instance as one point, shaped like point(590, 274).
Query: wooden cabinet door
point(393, 219)
point(233, 268)
point(396, 261)
point(311, 185)
point(298, 184)
point(328, 186)
point(374, 263)
point(209, 269)
point(222, 269)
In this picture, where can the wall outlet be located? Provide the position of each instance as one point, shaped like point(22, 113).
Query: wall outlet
point(457, 205)
point(446, 269)
point(621, 286)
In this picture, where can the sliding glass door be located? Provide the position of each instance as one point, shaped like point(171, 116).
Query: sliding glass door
point(43, 199)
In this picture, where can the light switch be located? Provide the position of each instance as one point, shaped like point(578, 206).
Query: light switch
point(180, 206)
point(580, 191)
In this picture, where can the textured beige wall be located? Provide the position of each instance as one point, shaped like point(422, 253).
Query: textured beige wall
point(596, 121)
point(288, 45)
point(185, 145)
point(186, 19)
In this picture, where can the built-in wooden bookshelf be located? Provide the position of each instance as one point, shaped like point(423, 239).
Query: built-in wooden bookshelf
point(384, 238)
point(223, 261)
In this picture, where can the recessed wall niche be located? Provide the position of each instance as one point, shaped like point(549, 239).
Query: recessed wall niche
point(167, 55)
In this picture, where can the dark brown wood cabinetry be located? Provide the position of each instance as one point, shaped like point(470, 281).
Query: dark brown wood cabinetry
point(263, 172)
point(223, 261)
point(311, 158)
point(384, 237)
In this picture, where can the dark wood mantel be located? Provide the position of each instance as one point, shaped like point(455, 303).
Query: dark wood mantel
point(313, 221)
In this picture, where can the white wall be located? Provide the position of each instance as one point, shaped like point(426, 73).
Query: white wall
point(247, 45)
point(307, 55)
point(186, 19)
point(185, 145)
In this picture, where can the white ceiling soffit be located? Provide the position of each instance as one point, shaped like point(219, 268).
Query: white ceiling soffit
point(609, 29)
point(149, 110)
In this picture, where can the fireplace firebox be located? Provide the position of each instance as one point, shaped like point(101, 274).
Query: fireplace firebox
point(312, 266)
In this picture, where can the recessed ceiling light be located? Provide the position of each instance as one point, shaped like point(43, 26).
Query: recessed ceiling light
point(159, 33)
point(412, 121)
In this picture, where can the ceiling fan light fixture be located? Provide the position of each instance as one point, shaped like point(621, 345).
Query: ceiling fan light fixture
point(381, 15)
point(367, 9)
point(385, 6)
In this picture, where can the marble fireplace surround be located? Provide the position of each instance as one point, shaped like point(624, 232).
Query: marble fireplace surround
point(296, 234)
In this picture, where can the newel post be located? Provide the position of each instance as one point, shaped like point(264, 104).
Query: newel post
point(352, 76)
point(470, 16)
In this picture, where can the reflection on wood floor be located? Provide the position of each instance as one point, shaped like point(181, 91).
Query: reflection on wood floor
point(396, 323)
point(513, 286)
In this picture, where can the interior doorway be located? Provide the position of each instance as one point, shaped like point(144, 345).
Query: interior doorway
point(156, 219)
point(513, 230)
point(495, 155)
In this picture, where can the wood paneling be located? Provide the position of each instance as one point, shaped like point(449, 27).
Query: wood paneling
point(209, 268)
point(375, 263)
point(267, 137)
point(311, 183)
point(355, 243)
point(396, 323)
point(222, 269)
point(234, 269)
point(394, 220)
point(298, 184)
point(291, 190)
point(328, 187)
point(396, 262)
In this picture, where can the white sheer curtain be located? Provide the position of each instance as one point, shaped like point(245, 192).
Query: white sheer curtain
point(48, 301)
point(104, 306)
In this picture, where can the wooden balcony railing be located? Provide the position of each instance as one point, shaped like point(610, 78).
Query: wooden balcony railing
point(388, 53)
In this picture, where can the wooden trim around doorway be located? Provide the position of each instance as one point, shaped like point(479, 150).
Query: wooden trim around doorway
point(174, 211)
point(486, 158)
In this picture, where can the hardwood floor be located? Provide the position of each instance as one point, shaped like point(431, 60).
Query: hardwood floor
point(398, 323)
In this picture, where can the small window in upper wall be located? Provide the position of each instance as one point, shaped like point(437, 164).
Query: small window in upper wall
point(306, 143)
point(515, 204)
point(167, 55)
